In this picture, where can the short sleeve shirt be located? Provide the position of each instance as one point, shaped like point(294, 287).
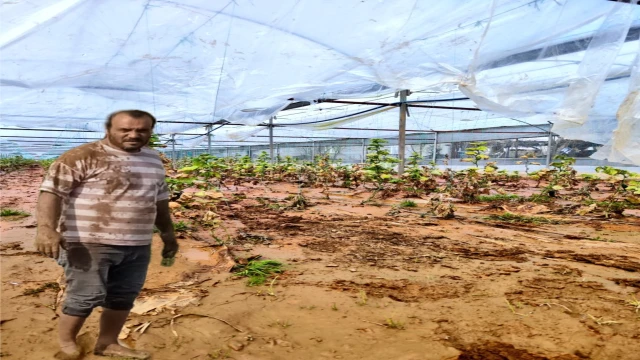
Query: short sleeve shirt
point(110, 195)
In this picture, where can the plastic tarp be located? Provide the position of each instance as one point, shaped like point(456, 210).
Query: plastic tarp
point(68, 63)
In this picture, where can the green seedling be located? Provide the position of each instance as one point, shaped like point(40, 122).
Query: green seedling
point(515, 218)
point(408, 204)
point(12, 212)
point(259, 270)
point(180, 226)
point(362, 298)
point(498, 198)
point(392, 324)
point(281, 323)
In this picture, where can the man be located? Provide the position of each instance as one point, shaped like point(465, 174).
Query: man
point(99, 203)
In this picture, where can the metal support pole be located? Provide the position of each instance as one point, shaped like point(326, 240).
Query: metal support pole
point(209, 139)
point(516, 145)
point(271, 140)
point(250, 154)
point(402, 133)
point(227, 152)
point(435, 147)
point(313, 151)
point(173, 149)
point(549, 144)
point(364, 150)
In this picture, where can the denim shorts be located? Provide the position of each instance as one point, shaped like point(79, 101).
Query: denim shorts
point(109, 276)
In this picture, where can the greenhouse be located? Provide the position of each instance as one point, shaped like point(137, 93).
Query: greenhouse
point(345, 179)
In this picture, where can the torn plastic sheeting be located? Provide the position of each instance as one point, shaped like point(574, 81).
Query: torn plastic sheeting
point(513, 88)
point(348, 120)
point(598, 58)
point(241, 134)
point(600, 124)
point(201, 61)
point(625, 145)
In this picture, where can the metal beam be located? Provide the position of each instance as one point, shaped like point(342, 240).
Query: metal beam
point(364, 151)
point(173, 150)
point(402, 130)
point(398, 104)
point(435, 147)
point(208, 139)
point(271, 140)
point(549, 141)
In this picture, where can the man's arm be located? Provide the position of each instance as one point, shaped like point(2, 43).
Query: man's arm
point(165, 225)
point(48, 239)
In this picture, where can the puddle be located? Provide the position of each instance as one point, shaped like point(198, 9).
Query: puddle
point(196, 255)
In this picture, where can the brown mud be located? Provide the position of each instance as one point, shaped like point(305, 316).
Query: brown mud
point(361, 282)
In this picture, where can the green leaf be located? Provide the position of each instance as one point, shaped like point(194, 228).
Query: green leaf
point(189, 168)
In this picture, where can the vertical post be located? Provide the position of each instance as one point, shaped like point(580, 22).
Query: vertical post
point(271, 140)
point(402, 130)
point(516, 146)
point(208, 139)
point(173, 149)
point(435, 147)
point(227, 151)
point(549, 145)
point(364, 150)
point(250, 154)
point(313, 151)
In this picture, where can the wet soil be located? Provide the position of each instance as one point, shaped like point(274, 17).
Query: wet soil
point(361, 282)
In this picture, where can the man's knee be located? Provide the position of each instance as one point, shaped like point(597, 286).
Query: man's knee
point(81, 305)
point(119, 303)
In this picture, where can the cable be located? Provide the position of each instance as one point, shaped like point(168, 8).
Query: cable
point(336, 118)
point(207, 133)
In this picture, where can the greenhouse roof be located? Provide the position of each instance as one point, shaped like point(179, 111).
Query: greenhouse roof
point(66, 64)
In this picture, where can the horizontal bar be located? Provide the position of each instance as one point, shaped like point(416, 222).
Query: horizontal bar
point(398, 104)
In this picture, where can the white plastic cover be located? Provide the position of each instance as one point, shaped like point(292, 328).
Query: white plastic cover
point(68, 63)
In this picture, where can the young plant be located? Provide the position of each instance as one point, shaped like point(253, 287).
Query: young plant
point(476, 153)
point(263, 165)
point(379, 164)
point(419, 180)
point(563, 175)
point(625, 191)
point(515, 218)
point(46, 163)
point(180, 226)
point(362, 298)
point(526, 160)
point(498, 198)
point(393, 324)
point(14, 163)
point(258, 271)
point(13, 213)
point(408, 204)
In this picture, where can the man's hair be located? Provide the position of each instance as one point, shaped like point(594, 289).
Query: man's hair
point(138, 114)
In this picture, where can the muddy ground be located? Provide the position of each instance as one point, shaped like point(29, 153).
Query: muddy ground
point(465, 288)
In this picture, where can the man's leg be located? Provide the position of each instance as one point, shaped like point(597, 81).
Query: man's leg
point(86, 290)
point(125, 281)
point(69, 327)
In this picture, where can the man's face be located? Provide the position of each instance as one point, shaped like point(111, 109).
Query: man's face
point(128, 133)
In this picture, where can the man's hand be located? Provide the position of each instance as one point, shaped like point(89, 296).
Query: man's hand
point(170, 248)
point(48, 241)
point(165, 225)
